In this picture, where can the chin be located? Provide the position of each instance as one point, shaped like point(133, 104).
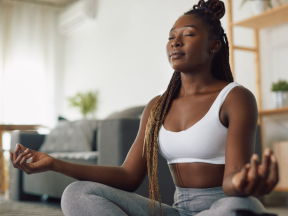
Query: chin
point(180, 67)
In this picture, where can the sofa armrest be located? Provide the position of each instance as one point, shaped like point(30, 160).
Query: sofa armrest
point(29, 139)
point(115, 138)
point(32, 141)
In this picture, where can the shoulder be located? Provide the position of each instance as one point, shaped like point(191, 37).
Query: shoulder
point(149, 107)
point(153, 101)
point(241, 95)
point(241, 102)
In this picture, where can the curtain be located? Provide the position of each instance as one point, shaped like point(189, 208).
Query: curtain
point(28, 41)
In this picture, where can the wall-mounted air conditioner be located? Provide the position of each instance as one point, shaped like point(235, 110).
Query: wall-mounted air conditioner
point(75, 15)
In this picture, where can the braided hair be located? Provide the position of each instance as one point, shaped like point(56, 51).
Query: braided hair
point(209, 13)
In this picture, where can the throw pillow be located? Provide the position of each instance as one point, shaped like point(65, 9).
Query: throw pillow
point(67, 136)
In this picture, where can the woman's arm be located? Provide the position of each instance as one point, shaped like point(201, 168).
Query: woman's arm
point(243, 175)
point(128, 176)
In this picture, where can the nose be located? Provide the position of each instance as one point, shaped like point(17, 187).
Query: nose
point(176, 43)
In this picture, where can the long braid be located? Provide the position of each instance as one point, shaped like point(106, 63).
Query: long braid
point(155, 120)
point(220, 69)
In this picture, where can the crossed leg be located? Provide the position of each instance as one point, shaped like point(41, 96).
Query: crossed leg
point(92, 198)
point(227, 206)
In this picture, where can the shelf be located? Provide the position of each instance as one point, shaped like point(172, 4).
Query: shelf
point(273, 111)
point(270, 17)
point(280, 189)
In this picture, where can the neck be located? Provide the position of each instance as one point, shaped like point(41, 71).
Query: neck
point(195, 83)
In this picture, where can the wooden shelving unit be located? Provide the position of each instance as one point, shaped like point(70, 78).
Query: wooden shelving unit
point(268, 18)
point(271, 17)
point(272, 111)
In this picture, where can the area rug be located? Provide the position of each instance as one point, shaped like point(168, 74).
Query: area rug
point(9, 208)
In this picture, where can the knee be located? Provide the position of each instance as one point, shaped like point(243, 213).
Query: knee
point(75, 193)
point(72, 190)
point(234, 203)
point(70, 195)
point(78, 188)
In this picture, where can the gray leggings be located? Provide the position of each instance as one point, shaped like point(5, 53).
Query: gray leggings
point(87, 198)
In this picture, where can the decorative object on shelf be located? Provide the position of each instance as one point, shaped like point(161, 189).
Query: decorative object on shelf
point(258, 6)
point(280, 93)
point(86, 102)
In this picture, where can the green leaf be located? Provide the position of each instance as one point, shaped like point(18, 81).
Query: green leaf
point(85, 102)
point(269, 4)
point(281, 85)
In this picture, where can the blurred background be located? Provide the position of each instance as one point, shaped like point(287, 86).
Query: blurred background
point(76, 60)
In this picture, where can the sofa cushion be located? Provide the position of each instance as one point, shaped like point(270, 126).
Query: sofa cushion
point(90, 155)
point(127, 113)
point(67, 136)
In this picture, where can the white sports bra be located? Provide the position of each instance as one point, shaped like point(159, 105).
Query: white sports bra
point(204, 142)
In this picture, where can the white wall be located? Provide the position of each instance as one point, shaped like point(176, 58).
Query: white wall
point(122, 53)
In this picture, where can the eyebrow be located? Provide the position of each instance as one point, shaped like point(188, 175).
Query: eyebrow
point(185, 27)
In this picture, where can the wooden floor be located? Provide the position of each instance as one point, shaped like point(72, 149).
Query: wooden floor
point(9, 208)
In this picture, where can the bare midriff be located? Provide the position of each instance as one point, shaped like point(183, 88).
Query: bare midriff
point(197, 175)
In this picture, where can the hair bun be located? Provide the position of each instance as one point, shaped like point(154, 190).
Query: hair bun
point(215, 6)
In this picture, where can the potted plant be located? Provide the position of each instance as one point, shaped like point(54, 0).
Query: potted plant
point(280, 93)
point(258, 6)
point(85, 102)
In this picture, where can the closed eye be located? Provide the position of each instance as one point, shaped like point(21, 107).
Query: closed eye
point(170, 38)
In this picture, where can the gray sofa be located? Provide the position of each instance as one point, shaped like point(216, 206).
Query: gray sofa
point(112, 140)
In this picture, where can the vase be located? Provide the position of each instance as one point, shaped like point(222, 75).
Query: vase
point(280, 98)
point(258, 6)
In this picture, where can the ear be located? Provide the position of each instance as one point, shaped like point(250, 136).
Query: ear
point(215, 46)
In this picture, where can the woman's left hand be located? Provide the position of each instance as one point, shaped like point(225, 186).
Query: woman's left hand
point(253, 179)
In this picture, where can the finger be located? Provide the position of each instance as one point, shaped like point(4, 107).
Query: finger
point(16, 150)
point(263, 171)
point(19, 158)
point(253, 176)
point(24, 159)
point(26, 166)
point(244, 174)
point(274, 173)
point(22, 148)
point(265, 164)
point(32, 159)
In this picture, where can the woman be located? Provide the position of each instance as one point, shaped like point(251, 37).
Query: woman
point(204, 125)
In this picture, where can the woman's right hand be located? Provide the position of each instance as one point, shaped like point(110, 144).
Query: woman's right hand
point(40, 162)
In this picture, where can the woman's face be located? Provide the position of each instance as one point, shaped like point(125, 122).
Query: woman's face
point(188, 47)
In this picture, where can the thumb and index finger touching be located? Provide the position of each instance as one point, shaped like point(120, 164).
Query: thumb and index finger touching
point(18, 148)
point(19, 160)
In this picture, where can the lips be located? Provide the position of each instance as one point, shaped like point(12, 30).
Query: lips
point(177, 54)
